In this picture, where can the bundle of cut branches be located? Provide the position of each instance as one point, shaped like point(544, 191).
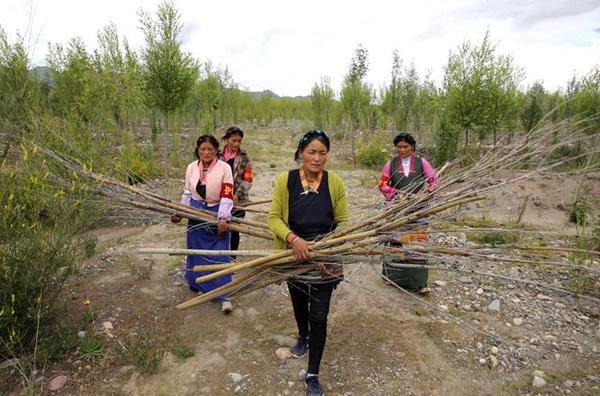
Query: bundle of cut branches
point(367, 237)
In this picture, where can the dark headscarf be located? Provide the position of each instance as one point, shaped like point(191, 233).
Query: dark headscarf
point(232, 130)
point(406, 137)
point(309, 137)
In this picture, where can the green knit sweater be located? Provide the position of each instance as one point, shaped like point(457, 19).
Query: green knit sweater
point(278, 215)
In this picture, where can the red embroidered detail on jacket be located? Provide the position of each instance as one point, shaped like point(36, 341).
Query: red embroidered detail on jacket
point(383, 181)
point(248, 175)
point(227, 190)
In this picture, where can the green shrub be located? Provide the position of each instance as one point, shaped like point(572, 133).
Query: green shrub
point(495, 238)
point(373, 152)
point(40, 245)
point(138, 163)
point(55, 343)
point(572, 153)
point(580, 211)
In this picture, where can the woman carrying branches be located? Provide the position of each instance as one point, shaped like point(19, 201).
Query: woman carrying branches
point(208, 186)
point(307, 204)
point(401, 178)
point(241, 167)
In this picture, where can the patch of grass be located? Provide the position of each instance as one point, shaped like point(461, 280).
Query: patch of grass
point(89, 247)
point(145, 352)
point(141, 270)
point(595, 239)
point(580, 211)
point(180, 349)
point(91, 349)
point(89, 316)
point(56, 344)
point(174, 264)
point(367, 180)
point(580, 281)
point(479, 222)
point(494, 238)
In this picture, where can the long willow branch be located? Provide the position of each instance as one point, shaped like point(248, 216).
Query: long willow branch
point(204, 252)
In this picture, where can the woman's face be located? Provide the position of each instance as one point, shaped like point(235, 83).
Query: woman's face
point(207, 152)
point(314, 156)
point(404, 149)
point(234, 142)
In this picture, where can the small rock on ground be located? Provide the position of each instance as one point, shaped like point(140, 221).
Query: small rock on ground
point(57, 382)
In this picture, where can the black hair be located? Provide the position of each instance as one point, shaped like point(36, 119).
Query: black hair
point(405, 137)
point(232, 130)
point(206, 139)
point(309, 137)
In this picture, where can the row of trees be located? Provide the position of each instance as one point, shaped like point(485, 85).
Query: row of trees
point(479, 100)
point(116, 87)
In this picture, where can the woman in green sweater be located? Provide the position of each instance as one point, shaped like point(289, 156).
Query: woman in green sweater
point(307, 204)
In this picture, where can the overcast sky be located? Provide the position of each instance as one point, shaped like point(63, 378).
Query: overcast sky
point(287, 46)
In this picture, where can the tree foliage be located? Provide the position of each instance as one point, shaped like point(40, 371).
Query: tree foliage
point(322, 102)
point(532, 108)
point(19, 91)
point(169, 73)
point(480, 89)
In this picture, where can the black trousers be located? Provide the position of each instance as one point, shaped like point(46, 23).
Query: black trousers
point(311, 307)
point(235, 235)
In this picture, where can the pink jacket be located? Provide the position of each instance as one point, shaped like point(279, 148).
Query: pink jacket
point(389, 192)
point(219, 187)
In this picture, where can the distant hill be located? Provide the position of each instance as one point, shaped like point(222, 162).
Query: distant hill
point(43, 74)
point(268, 92)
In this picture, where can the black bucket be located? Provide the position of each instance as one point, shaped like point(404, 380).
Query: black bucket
point(412, 279)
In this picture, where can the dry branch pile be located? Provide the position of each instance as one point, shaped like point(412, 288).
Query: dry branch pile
point(366, 238)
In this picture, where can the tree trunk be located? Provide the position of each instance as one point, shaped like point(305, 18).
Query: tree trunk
point(166, 115)
point(165, 144)
point(4, 153)
point(353, 150)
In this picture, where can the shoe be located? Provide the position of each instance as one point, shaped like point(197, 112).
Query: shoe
point(424, 291)
point(300, 348)
point(313, 387)
point(226, 307)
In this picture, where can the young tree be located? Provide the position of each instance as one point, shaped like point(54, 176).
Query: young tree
point(587, 101)
point(78, 94)
point(480, 89)
point(532, 111)
point(19, 92)
point(120, 75)
point(169, 73)
point(356, 94)
point(322, 103)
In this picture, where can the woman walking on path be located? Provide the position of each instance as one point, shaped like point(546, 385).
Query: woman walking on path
point(307, 204)
point(241, 167)
point(406, 174)
point(208, 186)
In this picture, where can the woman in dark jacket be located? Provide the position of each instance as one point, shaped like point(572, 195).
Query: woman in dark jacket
point(241, 167)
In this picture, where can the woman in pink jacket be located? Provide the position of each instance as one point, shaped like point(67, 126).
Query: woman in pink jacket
point(405, 174)
point(208, 186)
